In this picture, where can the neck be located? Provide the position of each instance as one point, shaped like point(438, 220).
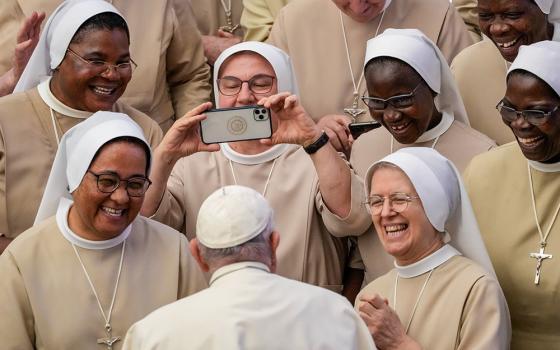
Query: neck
point(549, 31)
point(434, 246)
point(436, 119)
point(57, 92)
point(249, 147)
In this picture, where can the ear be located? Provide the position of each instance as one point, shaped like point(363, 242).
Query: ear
point(274, 241)
point(195, 251)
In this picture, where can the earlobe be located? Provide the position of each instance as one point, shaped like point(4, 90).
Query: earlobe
point(274, 242)
point(195, 252)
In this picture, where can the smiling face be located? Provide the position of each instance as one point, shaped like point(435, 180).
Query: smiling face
point(101, 216)
point(407, 236)
point(79, 86)
point(512, 23)
point(361, 11)
point(539, 143)
point(386, 78)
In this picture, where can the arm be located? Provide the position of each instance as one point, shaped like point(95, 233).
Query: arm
point(27, 39)
point(215, 44)
point(188, 75)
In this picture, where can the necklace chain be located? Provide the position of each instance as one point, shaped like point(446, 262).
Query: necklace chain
point(106, 317)
point(417, 299)
point(267, 180)
point(543, 237)
point(229, 27)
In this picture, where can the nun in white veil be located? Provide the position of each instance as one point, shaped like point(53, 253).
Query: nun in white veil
point(91, 266)
point(442, 292)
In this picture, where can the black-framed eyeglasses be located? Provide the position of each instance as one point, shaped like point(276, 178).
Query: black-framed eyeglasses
point(532, 116)
point(397, 102)
point(135, 186)
point(100, 66)
point(398, 202)
point(259, 84)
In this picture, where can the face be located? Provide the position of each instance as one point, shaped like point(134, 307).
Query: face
point(360, 10)
point(539, 143)
point(407, 236)
point(512, 23)
point(388, 79)
point(79, 86)
point(101, 216)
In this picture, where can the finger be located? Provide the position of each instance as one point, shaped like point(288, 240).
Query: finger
point(378, 302)
point(187, 123)
point(277, 100)
point(290, 101)
point(267, 142)
point(342, 134)
point(367, 308)
point(214, 147)
point(333, 139)
point(223, 34)
point(198, 110)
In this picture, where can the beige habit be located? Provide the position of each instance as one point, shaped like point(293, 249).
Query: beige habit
point(47, 303)
point(310, 31)
point(498, 185)
point(210, 15)
point(308, 252)
point(469, 12)
point(259, 16)
point(28, 144)
point(172, 75)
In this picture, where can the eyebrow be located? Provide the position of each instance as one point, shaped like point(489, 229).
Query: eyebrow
point(112, 172)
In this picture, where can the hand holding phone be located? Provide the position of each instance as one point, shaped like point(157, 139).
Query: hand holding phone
point(236, 124)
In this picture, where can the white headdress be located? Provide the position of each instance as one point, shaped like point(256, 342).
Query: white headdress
point(444, 198)
point(56, 36)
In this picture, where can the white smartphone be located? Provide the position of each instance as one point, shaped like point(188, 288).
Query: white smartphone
point(236, 124)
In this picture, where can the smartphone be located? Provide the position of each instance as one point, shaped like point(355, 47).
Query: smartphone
point(356, 129)
point(236, 124)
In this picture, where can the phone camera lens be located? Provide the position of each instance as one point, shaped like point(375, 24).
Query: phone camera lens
point(257, 111)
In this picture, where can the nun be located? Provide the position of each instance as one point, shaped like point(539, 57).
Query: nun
point(91, 266)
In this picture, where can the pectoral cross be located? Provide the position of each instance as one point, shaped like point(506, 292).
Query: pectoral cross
point(540, 256)
point(229, 27)
point(354, 111)
point(110, 340)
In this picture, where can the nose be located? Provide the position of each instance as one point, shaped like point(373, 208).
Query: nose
point(520, 123)
point(111, 73)
point(245, 96)
point(387, 209)
point(498, 27)
point(391, 114)
point(120, 195)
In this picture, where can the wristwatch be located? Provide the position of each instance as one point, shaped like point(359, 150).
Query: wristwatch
point(315, 146)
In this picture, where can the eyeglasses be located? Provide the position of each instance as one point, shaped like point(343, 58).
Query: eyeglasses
point(135, 186)
point(101, 67)
point(259, 84)
point(532, 116)
point(398, 202)
point(397, 102)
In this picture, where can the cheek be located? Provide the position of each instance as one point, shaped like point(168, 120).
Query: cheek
point(226, 101)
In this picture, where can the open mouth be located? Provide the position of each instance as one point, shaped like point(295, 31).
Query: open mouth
point(113, 212)
point(103, 91)
point(395, 230)
point(509, 48)
point(530, 142)
point(400, 128)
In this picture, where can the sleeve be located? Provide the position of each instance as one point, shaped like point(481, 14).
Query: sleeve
point(11, 16)
point(257, 19)
point(17, 321)
point(277, 36)
point(191, 279)
point(134, 339)
point(355, 260)
point(188, 75)
point(468, 10)
point(171, 210)
point(454, 36)
point(356, 222)
point(485, 322)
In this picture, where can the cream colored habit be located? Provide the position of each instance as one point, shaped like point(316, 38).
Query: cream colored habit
point(461, 307)
point(480, 72)
point(210, 15)
point(259, 16)
point(469, 12)
point(46, 301)
point(172, 75)
point(28, 145)
point(498, 186)
point(291, 315)
point(311, 33)
point(308, 252)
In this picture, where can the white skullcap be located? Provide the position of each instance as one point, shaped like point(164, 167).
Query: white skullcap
point(56, 36)
point(415, 49)
point(77, 148)
point(278, 59)
point(231, 216)
point(542, 59)
point(444, 198)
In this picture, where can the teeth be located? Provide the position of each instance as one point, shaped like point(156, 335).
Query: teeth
point(508, 44)
point(529, 141)
point(399, 127)
point(103, 91)
point(393, 230)
point(113, 212)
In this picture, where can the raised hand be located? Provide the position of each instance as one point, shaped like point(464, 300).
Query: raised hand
point(183, 138)
point(27, 39)
point(294, 125)
point(336, 127)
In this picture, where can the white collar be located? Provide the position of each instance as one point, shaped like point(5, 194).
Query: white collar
point(428, 263)
point(556, 34)
point(62, 222)
point(545, 167)
point(438, 130)
point(253, 159)
point(55, 104)
point(226, 270)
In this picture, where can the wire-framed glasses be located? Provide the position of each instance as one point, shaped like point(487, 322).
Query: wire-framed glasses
point(135, 186)
point(397, 101)
point(532, 116)
point(398, 202)
point(259, 84)
point(100, 66)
